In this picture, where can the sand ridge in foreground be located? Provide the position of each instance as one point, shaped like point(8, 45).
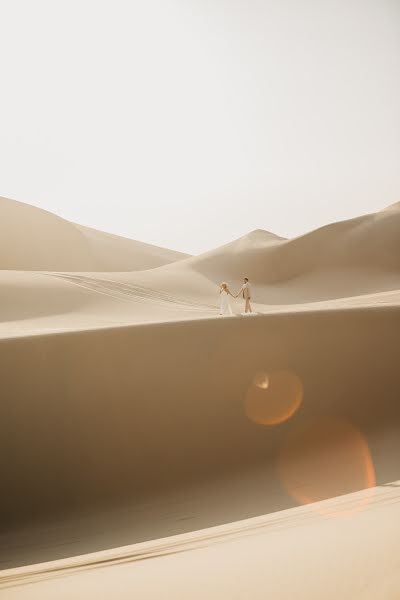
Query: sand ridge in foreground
point(299, 549)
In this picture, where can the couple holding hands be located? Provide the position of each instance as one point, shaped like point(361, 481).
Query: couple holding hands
point(225, 305)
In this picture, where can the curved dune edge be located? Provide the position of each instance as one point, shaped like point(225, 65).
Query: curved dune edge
point(330, 312)
point(59, 307)
point(375, 511)
point(91, 419)
point(33, 239)
point(59, 276)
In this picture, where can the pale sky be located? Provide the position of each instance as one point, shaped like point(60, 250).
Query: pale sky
point(187, 123)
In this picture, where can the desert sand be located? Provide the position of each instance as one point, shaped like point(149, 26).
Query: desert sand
point(293, 553)
point(151, 448)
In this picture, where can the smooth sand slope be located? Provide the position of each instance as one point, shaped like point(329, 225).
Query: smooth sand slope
point(32, 239)
point(132, 412)
point(299, 553)
point(348, 264)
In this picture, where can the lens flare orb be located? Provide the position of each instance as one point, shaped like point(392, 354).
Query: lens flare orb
point(273, 397)
point(324, 458)
point(261, 380)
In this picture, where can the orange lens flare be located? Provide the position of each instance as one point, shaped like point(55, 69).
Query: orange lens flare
point(261, 380)
point(324, 459)
point(274, 397)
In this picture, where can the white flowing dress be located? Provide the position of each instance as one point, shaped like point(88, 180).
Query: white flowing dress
point(225, 306)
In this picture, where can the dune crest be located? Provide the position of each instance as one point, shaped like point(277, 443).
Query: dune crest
point(33, 239)
point(367, 242)
point(350, 263)
point(131, 412)
point(394, 206)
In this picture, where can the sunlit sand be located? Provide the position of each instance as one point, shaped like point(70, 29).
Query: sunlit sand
point(152, 449)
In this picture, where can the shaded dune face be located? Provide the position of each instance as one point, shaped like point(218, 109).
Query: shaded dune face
point(34, 239)
point(112, 416)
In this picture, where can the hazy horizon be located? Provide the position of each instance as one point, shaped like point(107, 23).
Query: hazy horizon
point(189, 124)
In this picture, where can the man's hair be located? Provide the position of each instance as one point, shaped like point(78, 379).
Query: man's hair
point(246, 278)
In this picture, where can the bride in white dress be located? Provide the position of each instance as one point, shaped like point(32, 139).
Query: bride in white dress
point(225, 305)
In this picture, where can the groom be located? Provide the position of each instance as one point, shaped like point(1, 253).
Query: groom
point(245, 291)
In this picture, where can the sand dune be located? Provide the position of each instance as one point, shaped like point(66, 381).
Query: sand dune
point(132, 412)
point(371, 241)
point(356, 260)
point(32, 239)
point(352, 258)
point(299, 550)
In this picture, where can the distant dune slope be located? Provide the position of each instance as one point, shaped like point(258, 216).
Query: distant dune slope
point(345, 259)
point(124, 281)
point(368, 242)
point(32, 239)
